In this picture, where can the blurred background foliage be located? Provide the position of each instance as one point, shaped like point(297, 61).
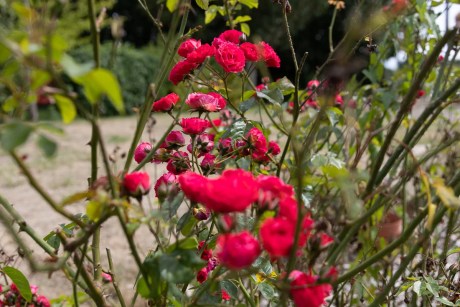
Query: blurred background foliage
point(131, 47)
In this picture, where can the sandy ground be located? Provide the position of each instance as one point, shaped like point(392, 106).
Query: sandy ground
point(63, 175)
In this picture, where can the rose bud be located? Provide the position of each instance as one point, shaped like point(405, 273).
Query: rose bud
point(142, 150)
point(166, 103)
point(174, 140)
point(194, 126)
point(106, 278)
point(166, 185)
point(202, 275)
point(201, 213)
point(178, 163)
point(136, 183)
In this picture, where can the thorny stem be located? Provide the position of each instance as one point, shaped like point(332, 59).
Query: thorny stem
point(95, 33)
point(114, 279)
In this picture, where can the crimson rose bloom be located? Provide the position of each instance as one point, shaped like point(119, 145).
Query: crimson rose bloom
point(225, 296)
point(269, 55)
point(256, 140)
point(271, 190)
point(192, 184)
point(237, 251)
point(174, 140)
point(222, 102)
point(180, 70)
point(188, 46)
point(194, 125)
point(230, 57)
point(142, 151)
point(234, 191)
point(277, 235)
point(250, 52)
point(274, 148)
point(136, 183)
point(203, 102)
point(200, 54)
point(312, 84)
point(166, 103)
point(305, 292)
point(231, 36)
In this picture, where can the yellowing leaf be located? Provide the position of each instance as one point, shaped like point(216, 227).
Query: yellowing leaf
point(172, 5)
point(66, 107)
point(94, 210)
point(446, 194)
point(431, 212)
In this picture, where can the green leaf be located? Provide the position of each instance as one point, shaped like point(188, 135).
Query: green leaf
point(20, 281)
point(245, 28)
point(99, 82)
point(266, 290)
point(66, 107)
point(74, 69)
point(179, 266)
point(283, 84)
point(273, 96)
point(417, 287)
point(252, 4)
point(204, 4)
point(47, 146)
point(184, 244)
point(14, 134)
point(247, 104)
point(169, 206)
point(237, 130)
point(444, 301)
point(241, 19)
point(209, 15)
point(171, 5)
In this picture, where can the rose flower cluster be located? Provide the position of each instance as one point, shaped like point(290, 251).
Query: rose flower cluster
point(12, 297)
point(229, 51)
point(196, 158)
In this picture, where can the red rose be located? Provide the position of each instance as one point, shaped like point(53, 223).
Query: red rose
point(250, 52)
point(277, 235)
point(256, 140)
point(225, 296)
point(202, 275)
point(420, 93)
point(221, 100)
point(232, 36)
point(180, 70)
point(203, 102)
point(237, 251)
point(142, 150)
point(192, 184)
point(200, 54)
point(274, 148)
point(268, 55)
point(194, 125)
point(188, 46)
point(207, 163)
point(305, 230)
point(271, 190)
point(174, 140)
point(42, 301)
point(136, 183)
point(338, 100)
point(313, 84)
point(206, 254)
point(166, 103)
point(305, 292)
point(230, 57)
point(288, 208)
point(234, 191)
point(166, 184)
point(325, 239)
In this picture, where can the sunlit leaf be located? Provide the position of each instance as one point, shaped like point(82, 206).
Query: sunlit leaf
point(171, 5)
point(20, 281)
point(66, 108)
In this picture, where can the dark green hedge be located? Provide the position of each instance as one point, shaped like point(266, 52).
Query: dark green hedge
point(134, 68)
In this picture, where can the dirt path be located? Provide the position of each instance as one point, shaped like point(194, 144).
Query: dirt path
point(63, 175)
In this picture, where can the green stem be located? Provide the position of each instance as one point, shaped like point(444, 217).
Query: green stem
point(331, 28)
point(248, 298)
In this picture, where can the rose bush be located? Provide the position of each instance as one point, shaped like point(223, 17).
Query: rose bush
point(284, 206)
